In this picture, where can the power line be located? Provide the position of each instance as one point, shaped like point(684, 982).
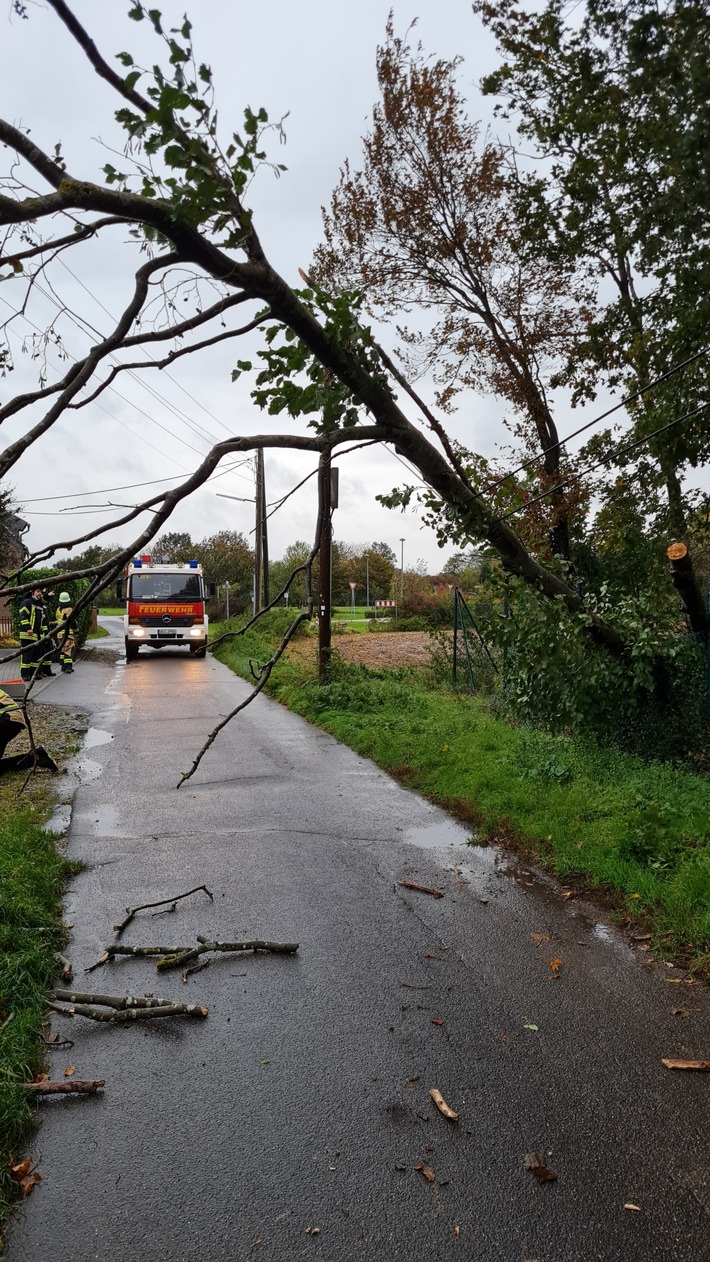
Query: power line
point(131, 486)
point(574, 477)
point(631, 398)
point(147, 353)
point(81, 322)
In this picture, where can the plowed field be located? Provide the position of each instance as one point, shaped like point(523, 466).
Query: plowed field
point(389, 649)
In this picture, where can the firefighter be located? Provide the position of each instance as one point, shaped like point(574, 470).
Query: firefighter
point(30, 617)
point(47, 650)
point(65, 635)
point(12, 722)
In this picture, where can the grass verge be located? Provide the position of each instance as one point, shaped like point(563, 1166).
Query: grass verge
point(637, 831)
point(32, 877)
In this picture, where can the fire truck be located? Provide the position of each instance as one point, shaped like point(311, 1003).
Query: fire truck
point(165, 605)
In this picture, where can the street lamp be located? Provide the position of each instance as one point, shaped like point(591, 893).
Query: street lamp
point(367, 581)
point(401, 573)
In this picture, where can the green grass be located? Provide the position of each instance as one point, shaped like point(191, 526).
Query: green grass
point(639, 831)
point(114, 611)
point(32, 876)
point(98, 634)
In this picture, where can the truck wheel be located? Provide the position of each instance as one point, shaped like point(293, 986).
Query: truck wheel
point(131, 651)
point(198, 648)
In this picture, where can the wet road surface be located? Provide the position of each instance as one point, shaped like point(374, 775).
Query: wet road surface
point(302, 1101)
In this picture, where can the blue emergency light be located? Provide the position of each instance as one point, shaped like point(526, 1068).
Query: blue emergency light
point(137, 565)
point(193, 564)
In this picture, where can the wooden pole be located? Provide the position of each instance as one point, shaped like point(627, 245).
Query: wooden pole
point(325, 564)
point(257, 545)
point(261, 495)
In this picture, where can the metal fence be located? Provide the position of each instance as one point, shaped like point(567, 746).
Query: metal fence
point(470, 649)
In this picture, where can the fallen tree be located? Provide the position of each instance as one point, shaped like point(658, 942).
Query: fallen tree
point(184, 202)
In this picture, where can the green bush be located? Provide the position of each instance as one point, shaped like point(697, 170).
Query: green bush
point(415, 623)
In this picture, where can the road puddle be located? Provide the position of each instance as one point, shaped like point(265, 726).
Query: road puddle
point(96, 736)
point(436, 836)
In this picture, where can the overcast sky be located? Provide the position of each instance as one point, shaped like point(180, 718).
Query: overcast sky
point(311, 59)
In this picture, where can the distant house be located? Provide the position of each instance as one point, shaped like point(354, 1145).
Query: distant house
point(442, 583)
point(12, 551)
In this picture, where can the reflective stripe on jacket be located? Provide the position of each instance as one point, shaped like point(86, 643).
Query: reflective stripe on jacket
point(9, 709)
point(30, 619)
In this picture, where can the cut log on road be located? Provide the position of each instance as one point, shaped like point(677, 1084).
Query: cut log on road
point(112, 1001)
point(65, 1088)
point(131, 1014)
point(175, 956)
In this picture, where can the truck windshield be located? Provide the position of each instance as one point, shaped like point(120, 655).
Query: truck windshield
point(151, 586)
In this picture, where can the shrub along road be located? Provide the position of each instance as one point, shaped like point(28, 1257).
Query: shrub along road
point(296, 1121)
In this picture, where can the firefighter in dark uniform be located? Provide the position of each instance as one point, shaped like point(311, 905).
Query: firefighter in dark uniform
point(12, 722)
point(64, 635)
point(47, 651)
point(30, 618)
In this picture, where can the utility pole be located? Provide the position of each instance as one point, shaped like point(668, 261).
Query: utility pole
point(325, 565)
point(261, 523)
point(401, 573)
point(261, 546)
point(367, 581)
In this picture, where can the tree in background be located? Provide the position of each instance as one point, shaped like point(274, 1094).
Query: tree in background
point(176, 546)
point(614, 104)
point(295, 555)
point(227, 557)
point(430, 222)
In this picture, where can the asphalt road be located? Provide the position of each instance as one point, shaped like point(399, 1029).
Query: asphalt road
point(295, 1122)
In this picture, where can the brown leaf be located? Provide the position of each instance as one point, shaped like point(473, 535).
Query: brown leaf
point(20, 1169)
point(635, 1208)
point(432, 957)
point(687, 1064)
point(423, 889)
point(535, 1162)
point(457, 1231)
point(554, 967)
point(70, 1069)
point(41, 1078)
point(399, 1165)
point(411, 1082)
point(419, 1165)
point(438, 1021)
point(539, 938)
point(312, 1231)
point(24, 1176)
point(429, 1174)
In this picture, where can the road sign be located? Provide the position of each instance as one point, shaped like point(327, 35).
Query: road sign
point(385, 604)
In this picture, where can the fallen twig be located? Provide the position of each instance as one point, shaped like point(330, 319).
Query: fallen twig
point(131, 911)
point(66, 967)
point(423, 889)
point(55, 1042)
point(687, 1064)
point(119, 1016)
point(184, 956)
point(174, 956)
point(196, 968)
point(120, 1002)
point(64, 1087)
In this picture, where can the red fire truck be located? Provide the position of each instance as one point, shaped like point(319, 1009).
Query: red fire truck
point(165, 605)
